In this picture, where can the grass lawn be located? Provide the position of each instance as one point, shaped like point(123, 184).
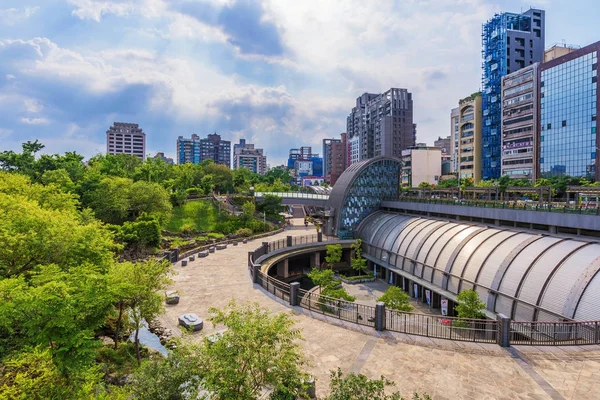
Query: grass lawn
point(202, 213)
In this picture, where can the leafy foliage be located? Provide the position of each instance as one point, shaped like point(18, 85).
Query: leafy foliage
point(321, 277)
point(358, 262)
point(333, 253)
point(257, 350)
point(359, 387)
point(396, 299)
point(469, 305)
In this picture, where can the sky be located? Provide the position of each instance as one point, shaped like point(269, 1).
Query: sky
point(279, 73)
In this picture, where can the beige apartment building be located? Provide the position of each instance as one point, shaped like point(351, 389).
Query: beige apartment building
point(467, 138)
point(420, 164)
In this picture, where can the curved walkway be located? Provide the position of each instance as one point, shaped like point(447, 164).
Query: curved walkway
point(441, 368)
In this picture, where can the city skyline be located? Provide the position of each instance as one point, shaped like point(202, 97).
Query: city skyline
point(69, 69)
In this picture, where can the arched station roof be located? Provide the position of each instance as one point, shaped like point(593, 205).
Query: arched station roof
point(526, 276)
point(319, 189)
point(360, 190)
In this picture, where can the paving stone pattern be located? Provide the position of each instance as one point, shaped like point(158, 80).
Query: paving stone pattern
point(441, 368)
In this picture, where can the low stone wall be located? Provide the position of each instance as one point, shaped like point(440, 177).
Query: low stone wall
point(228, 241)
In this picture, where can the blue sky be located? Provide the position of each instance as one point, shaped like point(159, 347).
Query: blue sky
point(280, 73)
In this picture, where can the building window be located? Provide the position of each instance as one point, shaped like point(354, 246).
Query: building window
point(564, 123)
point(549, 126)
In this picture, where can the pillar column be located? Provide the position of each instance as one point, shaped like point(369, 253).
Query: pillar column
point(294, 291)
point(503, 338)
point(380, 316)
point(288, 241)
point(317, 260)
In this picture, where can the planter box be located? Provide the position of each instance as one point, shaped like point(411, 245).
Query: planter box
point(192, 258)
point(221, 246)
point(202, 254)
point(183, 263)
point(211, 249)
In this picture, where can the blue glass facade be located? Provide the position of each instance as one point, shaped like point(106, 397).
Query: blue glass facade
point(509, 42)
point(360, 190)
point(568, 133)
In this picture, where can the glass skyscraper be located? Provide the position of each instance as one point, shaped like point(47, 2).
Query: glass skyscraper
point(509, 42)
point(569, 108)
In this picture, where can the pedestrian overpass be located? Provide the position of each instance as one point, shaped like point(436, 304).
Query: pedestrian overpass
point(293, 198)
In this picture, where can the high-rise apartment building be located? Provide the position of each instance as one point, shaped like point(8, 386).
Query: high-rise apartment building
point(454, 116)
point(334, 158)
point(188, 150)
point(381, 125)
point(214, 148)
point(520, 122)
point(196, 150)
point(570, 104)
point(246, 156)
point(125, 138)
point(468, 152)
point(510, 42)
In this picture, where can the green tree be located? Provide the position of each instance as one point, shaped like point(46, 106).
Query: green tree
point(140, 285)
point(321, 277)
point(257, 350)
point(60, 178)
point(270, 205)
point(469, 305)
point(222, 177)
point(21, 162)
point(333, 253)
point(58, 309)
point(358, 262)
point(396, 299)
point(150, 198)
point(425, 185)
point(176, 377)
point(359, 387)
point(248, 209)
point(111, 200)
point(32, 374)
point(32, 235)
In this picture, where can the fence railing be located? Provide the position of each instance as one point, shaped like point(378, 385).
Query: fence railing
point(345, 310)
point(442, 327)
point(507, 205)
point(274, 286)
point(555, 333)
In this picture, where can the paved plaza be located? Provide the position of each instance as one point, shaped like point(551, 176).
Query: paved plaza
point(441, 368)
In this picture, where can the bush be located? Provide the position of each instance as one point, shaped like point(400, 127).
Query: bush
point(214, 235)
point(243, 232)
point(192, 191)
point(357, 277)
point(396, 299)
point(188, 228)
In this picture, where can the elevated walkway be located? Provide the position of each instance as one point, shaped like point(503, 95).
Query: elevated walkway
point(294, 198)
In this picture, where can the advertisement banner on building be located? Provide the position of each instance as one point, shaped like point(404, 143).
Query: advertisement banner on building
point(444, 306)
point(416, 291)
point(428, 296)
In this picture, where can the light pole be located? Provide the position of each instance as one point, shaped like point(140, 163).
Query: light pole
point(265, 220)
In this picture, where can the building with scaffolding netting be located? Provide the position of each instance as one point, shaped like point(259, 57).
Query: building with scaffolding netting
point(509, 42)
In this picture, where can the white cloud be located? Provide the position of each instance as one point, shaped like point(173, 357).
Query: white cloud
point(10, 77)
point(95, 10)
point(33, 106)
point(34, 121)
point(13, 16)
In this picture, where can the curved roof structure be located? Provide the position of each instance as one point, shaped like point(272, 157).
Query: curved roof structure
point(319, 189)
point(360, 190)
point(526, 276)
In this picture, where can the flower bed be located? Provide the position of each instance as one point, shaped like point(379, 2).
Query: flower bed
point(353, 280)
